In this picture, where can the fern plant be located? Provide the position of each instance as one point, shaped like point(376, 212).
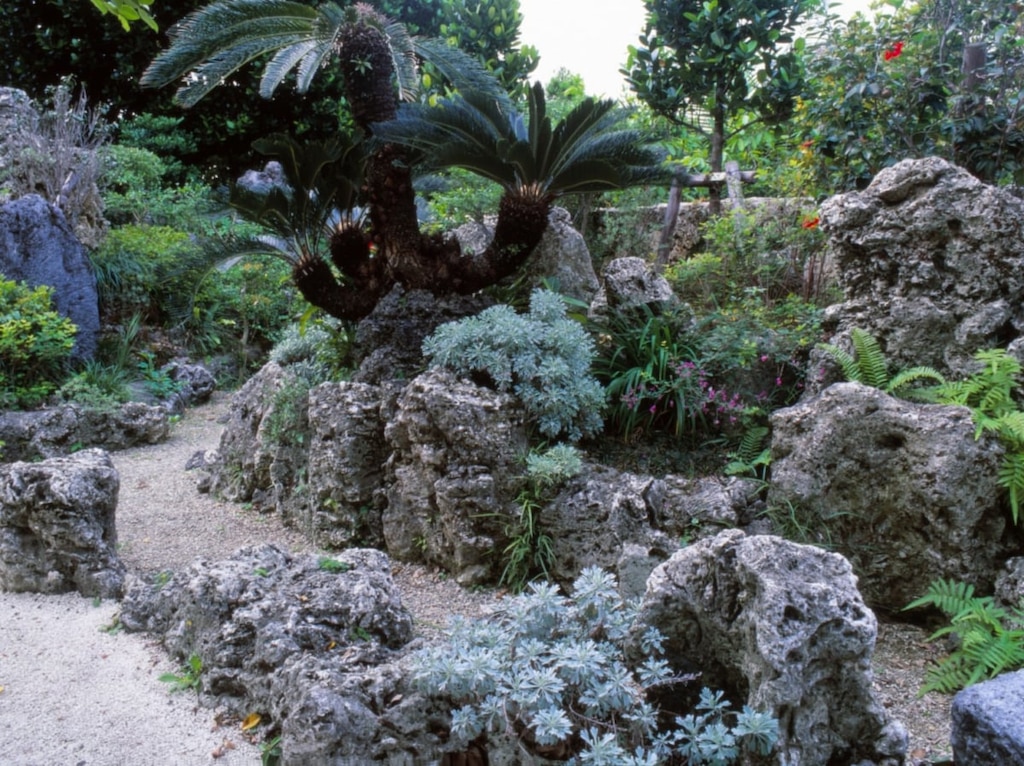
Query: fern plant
point(989, 393)
point(867, 365)
point(991, 638)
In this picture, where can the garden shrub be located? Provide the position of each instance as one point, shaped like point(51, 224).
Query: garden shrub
point(555, 670)
point(542, 357)
point(35, 344)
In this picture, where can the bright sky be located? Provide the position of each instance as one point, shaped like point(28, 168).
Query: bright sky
point(589, 38)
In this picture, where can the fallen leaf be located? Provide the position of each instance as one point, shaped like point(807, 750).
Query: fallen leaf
point(251, 721)
point(331, 645)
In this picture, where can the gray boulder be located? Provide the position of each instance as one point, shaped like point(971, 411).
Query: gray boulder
point(452, 476)
point(61, 430)
point(930, 261)
point(987, 727)
point(38, 247)
point(389, 342)
point(346, 465)
point(863, 468)
point(632, 282)
point(782, 628)
point(594, 516)
point(57, 530)
point(562, 255)
point(312, 646)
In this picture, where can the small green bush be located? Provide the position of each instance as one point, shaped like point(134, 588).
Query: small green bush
point(35, 343)
point(542, 357)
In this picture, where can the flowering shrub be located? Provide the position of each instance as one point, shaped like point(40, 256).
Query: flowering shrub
point(553, 672)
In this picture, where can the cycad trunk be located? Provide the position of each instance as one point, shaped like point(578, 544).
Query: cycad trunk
point(395, 251)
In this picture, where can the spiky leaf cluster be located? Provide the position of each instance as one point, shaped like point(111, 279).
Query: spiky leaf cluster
point(554, 669)
point(542, 357)
point(590, 150)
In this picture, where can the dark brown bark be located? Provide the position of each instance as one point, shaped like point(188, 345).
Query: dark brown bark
point(368, 71)
point(320, 287)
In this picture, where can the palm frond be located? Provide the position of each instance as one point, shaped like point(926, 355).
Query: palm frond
point(215, 41)
point(465, 73)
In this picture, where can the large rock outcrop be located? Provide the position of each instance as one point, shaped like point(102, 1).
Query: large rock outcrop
point(57, 531)
point(930, 261)
point(39, 247)
point(313, 645)
point(904, 490)
point(781, 627)
point(452, 475)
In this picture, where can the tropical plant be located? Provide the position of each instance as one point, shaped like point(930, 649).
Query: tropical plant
point(188, 677)
point(867, 365)
point(554, 673)
point(990, 639)
point(542, 357)
point(700, 64)
point(989, 393)
point(35, 345)
point(373, 54)
point(529, 552)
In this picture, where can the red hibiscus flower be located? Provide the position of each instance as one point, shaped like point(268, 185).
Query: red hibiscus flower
point(894, 52)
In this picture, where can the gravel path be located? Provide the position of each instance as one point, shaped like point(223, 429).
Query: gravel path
point(74, 693)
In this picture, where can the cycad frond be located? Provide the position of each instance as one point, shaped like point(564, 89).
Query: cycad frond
point(215, 41)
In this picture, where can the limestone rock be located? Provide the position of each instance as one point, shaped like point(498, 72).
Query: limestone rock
point(61, 430)
point(781, 627)
point(594, 516)
point(389, 342)
point(39, 247)
point(57, 530)
point(346, 465)
point(451, 477)
point(561, 256)
point(310, 646)
point(904, 490)
point(931, 263)
point(987, 726)
point(632, 282)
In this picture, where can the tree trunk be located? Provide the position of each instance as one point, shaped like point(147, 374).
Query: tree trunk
point(717, 153)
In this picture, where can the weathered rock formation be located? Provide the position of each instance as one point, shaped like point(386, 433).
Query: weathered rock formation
point(311, 644)
point(930, 261)
point(781, 627)
point(57, 530)
point(456, 452)
point(562, 255)
point(38, 247)
point(61, 430)
point(904, 490)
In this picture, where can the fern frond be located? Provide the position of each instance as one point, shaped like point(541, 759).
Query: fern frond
point(1011, 478)
point(948, 596)
point(845, 361)
point(911, 377)
point(870, 360)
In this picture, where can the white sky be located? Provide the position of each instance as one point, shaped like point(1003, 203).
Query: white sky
point(589, 38)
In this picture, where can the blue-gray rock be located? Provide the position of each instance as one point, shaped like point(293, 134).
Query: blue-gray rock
point(987, 726)
point(39, 247)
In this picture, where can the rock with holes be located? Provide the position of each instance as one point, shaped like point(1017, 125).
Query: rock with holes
point(453, 474)
point(904, 490)
point(780, 627)
point(930, 261)
point(628, 283)
point(315, 645)
point(57, 531)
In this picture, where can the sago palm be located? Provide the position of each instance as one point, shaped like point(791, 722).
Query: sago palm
point(479, 130)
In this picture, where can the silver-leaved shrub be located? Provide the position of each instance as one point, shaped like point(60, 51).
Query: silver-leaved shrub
point(542, 357)
point(551, 669)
